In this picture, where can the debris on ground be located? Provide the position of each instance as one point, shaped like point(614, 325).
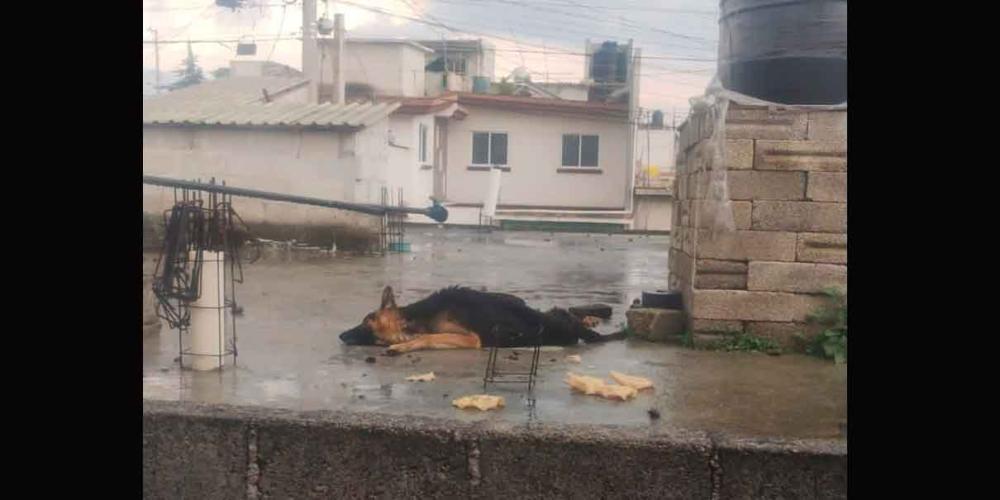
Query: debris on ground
point(574, 358)
point(653, 413)
point(425, 377)
point(482, 402)
point(370, 359)
point(594, 386)
point(637, 383)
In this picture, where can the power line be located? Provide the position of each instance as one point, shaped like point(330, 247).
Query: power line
point(448, 27)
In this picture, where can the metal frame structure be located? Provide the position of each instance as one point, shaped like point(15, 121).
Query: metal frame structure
point(194, 224)
point(495, 376)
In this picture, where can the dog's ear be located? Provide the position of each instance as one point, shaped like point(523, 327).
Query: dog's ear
point(388, 299)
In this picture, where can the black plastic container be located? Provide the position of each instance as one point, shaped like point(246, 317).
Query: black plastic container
point(784, 51)
point(662, 299)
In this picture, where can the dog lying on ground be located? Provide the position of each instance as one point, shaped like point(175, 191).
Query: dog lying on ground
point(462, 318)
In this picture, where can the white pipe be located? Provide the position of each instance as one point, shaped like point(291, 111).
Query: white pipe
point(208, 315)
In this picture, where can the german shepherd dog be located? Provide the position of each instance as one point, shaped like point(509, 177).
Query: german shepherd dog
point(462, 318)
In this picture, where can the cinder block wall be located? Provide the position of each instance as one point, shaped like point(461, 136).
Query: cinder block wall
point(787, 181)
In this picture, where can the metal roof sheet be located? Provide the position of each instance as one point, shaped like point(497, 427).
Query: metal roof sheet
point(239, 102)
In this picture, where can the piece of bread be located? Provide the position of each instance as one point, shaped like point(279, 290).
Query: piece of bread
point(482, 402)
point(426, 377)
point(638, 383)
point(596, 387)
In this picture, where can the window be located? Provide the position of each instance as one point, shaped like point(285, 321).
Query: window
point(579, 150)
point(423, 143)
point(455, 65)
point(489, 148)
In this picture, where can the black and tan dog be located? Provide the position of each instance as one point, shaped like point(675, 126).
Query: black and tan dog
point(462, 318)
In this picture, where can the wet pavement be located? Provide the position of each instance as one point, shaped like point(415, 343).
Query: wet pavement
point(290, 356)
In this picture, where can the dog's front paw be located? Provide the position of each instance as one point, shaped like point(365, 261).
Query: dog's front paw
point(393, 350)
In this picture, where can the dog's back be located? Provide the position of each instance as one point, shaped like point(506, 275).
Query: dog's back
point(503, 320)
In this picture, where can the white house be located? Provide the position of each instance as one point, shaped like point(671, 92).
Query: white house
point(563, 161)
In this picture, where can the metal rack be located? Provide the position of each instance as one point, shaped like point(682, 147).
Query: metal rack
point(391, 229)
point(493, 375)
point(199, 221)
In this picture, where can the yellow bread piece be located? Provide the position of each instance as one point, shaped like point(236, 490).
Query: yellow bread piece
point(596, 387)
point(613, 391)
point(638, 383)
point(574, 358)
point(481, 402)
point(426, 377)
point(583, 383)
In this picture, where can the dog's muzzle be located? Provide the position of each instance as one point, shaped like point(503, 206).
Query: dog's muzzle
point(359, 335)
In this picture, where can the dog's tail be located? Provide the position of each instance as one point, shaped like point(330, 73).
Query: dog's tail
point(620, 335)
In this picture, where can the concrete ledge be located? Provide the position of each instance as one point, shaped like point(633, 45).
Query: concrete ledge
point(212, 451)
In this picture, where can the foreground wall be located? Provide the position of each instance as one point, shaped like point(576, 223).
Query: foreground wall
point(198, 451)
point(787, 179)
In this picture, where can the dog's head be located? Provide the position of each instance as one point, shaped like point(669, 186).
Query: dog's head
point(378, 327)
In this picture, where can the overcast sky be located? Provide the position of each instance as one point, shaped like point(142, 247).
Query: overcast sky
point(678, 38)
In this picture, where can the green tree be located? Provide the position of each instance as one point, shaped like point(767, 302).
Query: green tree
point(190, 73)
point(505, 87)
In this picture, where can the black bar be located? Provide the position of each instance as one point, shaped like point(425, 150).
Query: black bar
point(436, 212)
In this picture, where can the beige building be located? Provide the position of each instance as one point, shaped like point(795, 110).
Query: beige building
point(564, 162)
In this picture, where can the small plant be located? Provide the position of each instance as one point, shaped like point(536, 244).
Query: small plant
point(832, 342)
point(747, 343)
point(687, 340)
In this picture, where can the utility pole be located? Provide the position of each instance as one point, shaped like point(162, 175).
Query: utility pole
point(310, 58)
point(156, 53)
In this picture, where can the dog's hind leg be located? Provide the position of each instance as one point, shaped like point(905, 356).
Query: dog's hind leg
point(437, 341)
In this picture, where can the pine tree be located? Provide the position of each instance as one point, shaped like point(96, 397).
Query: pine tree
point(190, 73)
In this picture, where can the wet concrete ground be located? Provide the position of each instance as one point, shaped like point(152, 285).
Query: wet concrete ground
point(290, 356)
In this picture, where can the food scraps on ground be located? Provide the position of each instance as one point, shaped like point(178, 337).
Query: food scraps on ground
point(426, 377)
point(482, 402)
point(574, 358)
point(596, 387)
point(638, 383)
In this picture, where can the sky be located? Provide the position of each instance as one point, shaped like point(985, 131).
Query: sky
point(678, 38)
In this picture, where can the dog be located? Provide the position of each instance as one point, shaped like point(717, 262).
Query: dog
point(462, 318)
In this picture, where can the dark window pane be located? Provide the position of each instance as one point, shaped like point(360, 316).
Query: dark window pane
point(571, 150)
point(480, 148)
point(588, 151)
point(499, 149)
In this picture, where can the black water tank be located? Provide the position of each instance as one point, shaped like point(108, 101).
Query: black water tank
point(657, 119)
point(785, 51)
point(605, 63)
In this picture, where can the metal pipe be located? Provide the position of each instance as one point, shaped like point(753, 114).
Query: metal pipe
point(435, 211)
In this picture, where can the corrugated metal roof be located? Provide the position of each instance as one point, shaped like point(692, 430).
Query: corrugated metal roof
point(295, 115)
point(238, 102)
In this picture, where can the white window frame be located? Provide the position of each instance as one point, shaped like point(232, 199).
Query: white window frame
point(579, 151)
point(489, 148)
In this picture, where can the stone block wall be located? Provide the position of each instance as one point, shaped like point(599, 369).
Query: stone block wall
point(786, 174)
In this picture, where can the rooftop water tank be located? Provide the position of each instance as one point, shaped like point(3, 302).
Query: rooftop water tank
point(480, 84)
point(604, 67)
point(784, 51)
point(657, 119)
